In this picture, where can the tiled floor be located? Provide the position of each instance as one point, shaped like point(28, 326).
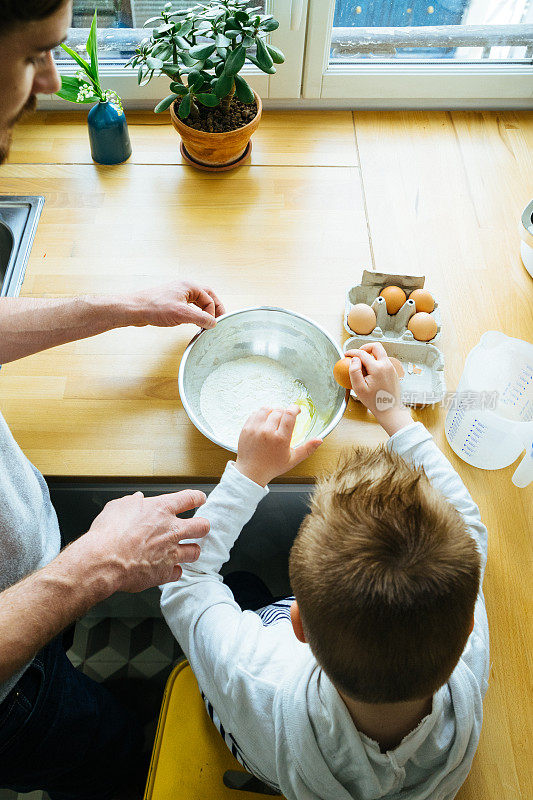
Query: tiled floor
point(124, 637)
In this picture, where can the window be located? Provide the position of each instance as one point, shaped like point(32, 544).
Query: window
point(120, 23)
point(420, 52)
point(120, 31)
point(438, 29)
point(370, 52)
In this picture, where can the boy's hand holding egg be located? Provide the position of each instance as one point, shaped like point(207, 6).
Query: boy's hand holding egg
point(341, 370)
point(379, 388)
point(264, 450)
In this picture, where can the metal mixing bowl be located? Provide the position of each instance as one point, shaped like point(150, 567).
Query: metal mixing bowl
point(294, 341)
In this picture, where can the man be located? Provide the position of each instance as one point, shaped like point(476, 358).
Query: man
point(60, 731)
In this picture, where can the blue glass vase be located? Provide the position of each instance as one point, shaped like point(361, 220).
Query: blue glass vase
point(108, 134)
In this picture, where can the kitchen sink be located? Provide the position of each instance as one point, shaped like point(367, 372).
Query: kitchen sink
point(18, 222)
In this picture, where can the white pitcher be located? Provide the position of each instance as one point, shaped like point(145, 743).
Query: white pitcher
point(491, 422)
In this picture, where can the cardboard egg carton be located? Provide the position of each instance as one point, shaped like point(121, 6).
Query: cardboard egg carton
point(423, 363)
point(388, 326)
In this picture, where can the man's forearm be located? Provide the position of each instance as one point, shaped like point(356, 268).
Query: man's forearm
point(37, 608)
point(30, 325)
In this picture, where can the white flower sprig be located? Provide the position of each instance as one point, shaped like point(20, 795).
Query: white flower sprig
point(85, 93)
point(112, 97)
point(85, 87)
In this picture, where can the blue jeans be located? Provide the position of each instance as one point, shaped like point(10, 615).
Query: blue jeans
point(64, 733)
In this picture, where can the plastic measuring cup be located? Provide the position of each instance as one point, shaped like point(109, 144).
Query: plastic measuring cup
point(491, 422)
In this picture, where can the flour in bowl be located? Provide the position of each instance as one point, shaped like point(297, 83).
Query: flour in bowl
point(237, 388)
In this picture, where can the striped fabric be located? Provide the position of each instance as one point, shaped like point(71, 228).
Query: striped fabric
point(229, 739)
point(270, 615)
point(280, 611)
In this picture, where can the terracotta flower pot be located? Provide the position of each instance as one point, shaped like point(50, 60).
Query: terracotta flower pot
point(216, 150)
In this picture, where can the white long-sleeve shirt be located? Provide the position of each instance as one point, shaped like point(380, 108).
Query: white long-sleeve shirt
point(288, 722)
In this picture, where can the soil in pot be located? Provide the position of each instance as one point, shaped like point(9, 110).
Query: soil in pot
point(216, 120)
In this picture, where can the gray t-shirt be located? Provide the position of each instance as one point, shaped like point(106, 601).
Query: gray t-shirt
point(29, 531)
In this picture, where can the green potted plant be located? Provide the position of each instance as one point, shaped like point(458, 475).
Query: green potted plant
point(108, 129)
point(202, 50)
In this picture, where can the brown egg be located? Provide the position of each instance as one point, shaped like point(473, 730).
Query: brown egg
point(397, 366)
point(422, 326)
point(362, 319)
point(423, 300)
point(341, 373)
point(394, 298)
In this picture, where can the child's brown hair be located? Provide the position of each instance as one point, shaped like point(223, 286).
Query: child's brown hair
point(386, 578)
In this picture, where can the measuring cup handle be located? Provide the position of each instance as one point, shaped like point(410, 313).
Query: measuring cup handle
point(523, 474)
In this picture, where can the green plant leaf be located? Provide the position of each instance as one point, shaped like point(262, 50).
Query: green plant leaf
point(171, 69)
point(242, 17)
point(224, 85)
point(79, 60)
point(219, 69)
point(202, 51)
point(275, 54)
point(243, 90)
point(235, 61)
point(178, 88)
point(165, 104)
point(70, 87)
point(271, 71)
point(162, 51)
point(186, 27)
point(147, 77)
point(222, 52)
point(248, 41)
point(92, 46)
point(187, 60)
point(182, 42)
point(140, 74)
point(264, 59)
point(152, 19)
point(222, 41)
point(163, 30)
point(154, 63)
point(210, 100)
point(185, 107)
point(270, 25)
point(195, 80)
point(231, 34)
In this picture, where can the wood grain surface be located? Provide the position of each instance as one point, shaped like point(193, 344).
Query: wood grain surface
point(326, 194)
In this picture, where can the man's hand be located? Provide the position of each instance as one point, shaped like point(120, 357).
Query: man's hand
point(379, 389)
point(264, 449)
point(137, 540)
point(173, 304)
point(29, 325)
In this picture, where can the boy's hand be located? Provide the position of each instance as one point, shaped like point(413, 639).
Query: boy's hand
point(379, 389)
point(264, 450)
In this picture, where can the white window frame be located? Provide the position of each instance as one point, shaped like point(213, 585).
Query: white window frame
point(406, 85)
point(286, 83)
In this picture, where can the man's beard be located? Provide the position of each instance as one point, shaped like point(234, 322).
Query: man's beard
point(5, 146)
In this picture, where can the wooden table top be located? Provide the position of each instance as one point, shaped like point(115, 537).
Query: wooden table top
point(327, 193)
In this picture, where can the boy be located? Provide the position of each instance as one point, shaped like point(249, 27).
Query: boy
point(376, 688)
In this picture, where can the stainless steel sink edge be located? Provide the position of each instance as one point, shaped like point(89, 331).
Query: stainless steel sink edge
point(16, 267)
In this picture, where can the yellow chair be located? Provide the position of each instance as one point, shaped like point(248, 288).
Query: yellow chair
point(190, 760)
